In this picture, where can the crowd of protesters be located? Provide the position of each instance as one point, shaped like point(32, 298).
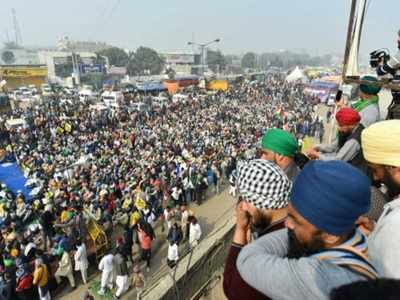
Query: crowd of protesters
point(326, 230)
point(128, 170)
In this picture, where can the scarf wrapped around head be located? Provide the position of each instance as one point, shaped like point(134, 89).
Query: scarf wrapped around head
point(347, 116)
point(280, 141)
point(370, 89)
point(381, 143)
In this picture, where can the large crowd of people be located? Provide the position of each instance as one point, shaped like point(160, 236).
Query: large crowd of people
point(128, 171)
point(328, 231)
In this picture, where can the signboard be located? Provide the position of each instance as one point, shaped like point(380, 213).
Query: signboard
point(171, 58)
point(21, 72)
point(91, 68)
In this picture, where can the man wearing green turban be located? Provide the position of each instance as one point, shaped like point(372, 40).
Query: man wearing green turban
point(368, 104)
point(281, 147)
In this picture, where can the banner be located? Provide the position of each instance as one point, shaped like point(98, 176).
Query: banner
point(21, 72)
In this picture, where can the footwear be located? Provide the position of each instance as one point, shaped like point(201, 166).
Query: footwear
point(101, 292)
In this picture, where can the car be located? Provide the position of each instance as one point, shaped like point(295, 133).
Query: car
point(46, 89)
point(331, 101)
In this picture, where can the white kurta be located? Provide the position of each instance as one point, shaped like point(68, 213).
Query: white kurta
point(81, 261)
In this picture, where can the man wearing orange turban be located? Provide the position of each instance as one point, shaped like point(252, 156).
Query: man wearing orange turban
point(347, 147)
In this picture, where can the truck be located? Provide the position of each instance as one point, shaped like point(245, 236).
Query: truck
point(87, 93)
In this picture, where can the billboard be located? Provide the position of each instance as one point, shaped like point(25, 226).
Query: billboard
point(90, 68)
point(172, 58)
point(23, 72)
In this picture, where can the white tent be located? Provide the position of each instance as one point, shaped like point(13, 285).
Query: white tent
point(297, 74)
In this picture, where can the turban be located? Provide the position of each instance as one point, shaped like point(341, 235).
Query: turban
point(263, 184)
point(331, 195)
point(280, 141)
point(381, 143)
point(370, 89)
point(347, 116)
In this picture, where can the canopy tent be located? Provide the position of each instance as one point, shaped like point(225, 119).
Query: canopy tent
point(297, 75)
point(14, 178)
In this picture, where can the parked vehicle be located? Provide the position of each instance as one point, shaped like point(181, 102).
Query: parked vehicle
point(112, 98)
point(46, 90)
point(139, 106)
point(179, 98)
point(87, 93)
point(331, 99)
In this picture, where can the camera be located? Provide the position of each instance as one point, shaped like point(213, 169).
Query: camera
point(377, 56)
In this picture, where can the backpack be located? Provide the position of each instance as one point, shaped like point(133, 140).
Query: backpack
point(350, 258)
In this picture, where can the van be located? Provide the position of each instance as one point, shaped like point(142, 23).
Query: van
point(86, 93)
point(112, 98)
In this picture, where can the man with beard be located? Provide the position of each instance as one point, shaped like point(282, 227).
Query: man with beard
point(265, 190)
point(347, 147)
point(381, 145)
point(368, 104)
point(321, 248)
point(280, 147)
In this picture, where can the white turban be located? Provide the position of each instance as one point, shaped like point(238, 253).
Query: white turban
point(381, 143)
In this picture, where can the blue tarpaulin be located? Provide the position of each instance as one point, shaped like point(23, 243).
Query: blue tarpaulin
point(12, 175)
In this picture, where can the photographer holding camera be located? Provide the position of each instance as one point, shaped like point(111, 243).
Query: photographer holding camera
point(390, 67)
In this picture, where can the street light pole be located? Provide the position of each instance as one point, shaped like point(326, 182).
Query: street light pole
point(203, 48)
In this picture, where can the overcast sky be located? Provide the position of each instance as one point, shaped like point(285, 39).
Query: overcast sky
point(317, 26)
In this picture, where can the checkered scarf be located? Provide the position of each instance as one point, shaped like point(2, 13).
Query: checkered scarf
point(263, 184)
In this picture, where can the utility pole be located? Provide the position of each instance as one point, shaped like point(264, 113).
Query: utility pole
point(17, 31)
point(203, 48)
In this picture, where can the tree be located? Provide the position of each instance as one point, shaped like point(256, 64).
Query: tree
point(145, 59)
point(8, 57)
point(116, 56)
point(170, 73)
point(216, 60)
point(249, 60)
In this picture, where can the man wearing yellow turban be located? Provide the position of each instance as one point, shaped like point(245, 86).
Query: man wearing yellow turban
point(381, 146)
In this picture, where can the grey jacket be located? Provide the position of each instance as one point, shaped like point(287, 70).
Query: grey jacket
point(264, 266)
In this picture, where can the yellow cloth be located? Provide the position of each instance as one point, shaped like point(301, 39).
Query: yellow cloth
point(135, 217)
point(381, 143)
point(65, 216)
point(140, 203)
point(67, 127)
point(127, 203)
point(41, 276)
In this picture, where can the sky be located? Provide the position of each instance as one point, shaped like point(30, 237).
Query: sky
point(315, 26)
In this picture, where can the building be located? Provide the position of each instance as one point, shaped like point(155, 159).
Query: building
point(182, 62)
point(61, 64)
point(21, 67)
point(18, 56)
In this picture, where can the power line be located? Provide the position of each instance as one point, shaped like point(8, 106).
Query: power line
point(103, 19)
